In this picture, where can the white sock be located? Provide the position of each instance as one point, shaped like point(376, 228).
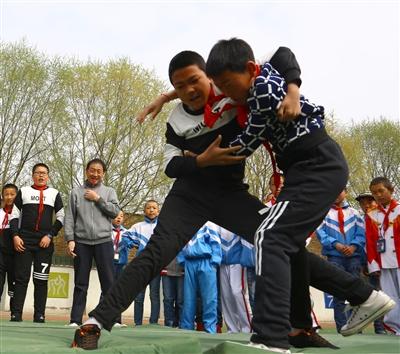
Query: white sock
point(92, 320)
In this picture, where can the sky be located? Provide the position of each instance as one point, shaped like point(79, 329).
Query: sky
point(348, 50)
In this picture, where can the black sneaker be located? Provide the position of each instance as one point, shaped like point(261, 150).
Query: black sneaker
point(39, 319)
point(310, 338)
point(86, 337)
point(15, 318)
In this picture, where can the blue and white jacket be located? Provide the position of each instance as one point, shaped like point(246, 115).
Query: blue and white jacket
point(124, 245)
point(206, 243)
point(141, 233)
point(265, 98)
point(354, 233)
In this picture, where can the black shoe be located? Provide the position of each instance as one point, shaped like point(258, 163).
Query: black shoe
point(310, 338)
point(39, 319)
point(15, 318)
point(86, 337)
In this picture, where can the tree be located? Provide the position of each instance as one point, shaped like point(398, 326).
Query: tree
point(101, 101)
point(30, 99)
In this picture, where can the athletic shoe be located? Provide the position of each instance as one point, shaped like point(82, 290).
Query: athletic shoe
point(310, 338)
point(39, 319)
point(15, 318)
point(72, 325)
point(119, 325)
point(270, 349)
point(86, 337)
point(377, 305)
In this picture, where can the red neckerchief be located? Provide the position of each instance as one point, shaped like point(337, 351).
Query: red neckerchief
point(116, 239)
point(7, 210)
point(41, 204)
point(392, 205)
point(340, 218)
point(273, 200)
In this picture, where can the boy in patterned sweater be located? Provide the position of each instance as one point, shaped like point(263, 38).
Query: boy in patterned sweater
point(315, 173)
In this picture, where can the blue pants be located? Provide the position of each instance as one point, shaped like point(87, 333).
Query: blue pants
point(155, 303)
point(351, 265)
point(173, 299)
point(200, 275)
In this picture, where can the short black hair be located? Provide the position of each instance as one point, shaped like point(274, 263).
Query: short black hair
point(184, 59)
point(384, 180)
point(40, 164)
point(229, 54)
point(151, 201)
point(99, 161)
point(8, 186)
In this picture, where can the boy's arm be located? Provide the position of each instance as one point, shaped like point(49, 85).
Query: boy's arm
point(266, 98)
point(328, 242)
point(59, 211)
point(177, 164)
point(284, 61)
point(16, 214)
point(156, 105)
point(359, 233)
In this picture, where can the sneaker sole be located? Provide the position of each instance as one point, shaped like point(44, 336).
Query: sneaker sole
point(381, 312)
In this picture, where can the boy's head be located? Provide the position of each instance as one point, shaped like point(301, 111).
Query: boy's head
point(187, 75)
point(382, 190)
point(119, 219)
point(151, 209)
point(341, 197)
point(366, 202)
point(40, 174)
point(95, 170)
point(232, 67)
point(8, 194)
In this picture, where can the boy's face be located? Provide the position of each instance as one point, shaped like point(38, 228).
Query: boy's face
point(9, 195)
point(367, 204)
point(382, 195)
point(192, 86)
point(95, 173)
point(119, 219)
point(151, 210)
point(236, 85)
point(40, 176)
point(341, 197)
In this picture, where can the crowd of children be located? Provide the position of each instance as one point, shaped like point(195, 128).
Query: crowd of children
point(207, 142)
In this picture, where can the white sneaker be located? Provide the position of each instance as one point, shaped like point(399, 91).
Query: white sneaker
point(270, 349)
point(72, 325)
point(119, 325)
point(377, 305)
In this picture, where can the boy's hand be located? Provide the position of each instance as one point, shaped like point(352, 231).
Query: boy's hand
point(340, 247)
point(71, 248)
point(290, 108)
point(349, 250)
point(153, 109)
point(18, 244)
point(45, 241)
point(214, 155)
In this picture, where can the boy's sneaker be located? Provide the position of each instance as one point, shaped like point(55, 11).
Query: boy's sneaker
point(310, 338)
point(119, 325)
point(270, 349)
point(86, 337)
point(39, 319)
point(15, 318)
point(72, 325)
point(377, 305)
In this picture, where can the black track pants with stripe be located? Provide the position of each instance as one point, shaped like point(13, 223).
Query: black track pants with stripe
point(311, 186)
point(41, 258)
